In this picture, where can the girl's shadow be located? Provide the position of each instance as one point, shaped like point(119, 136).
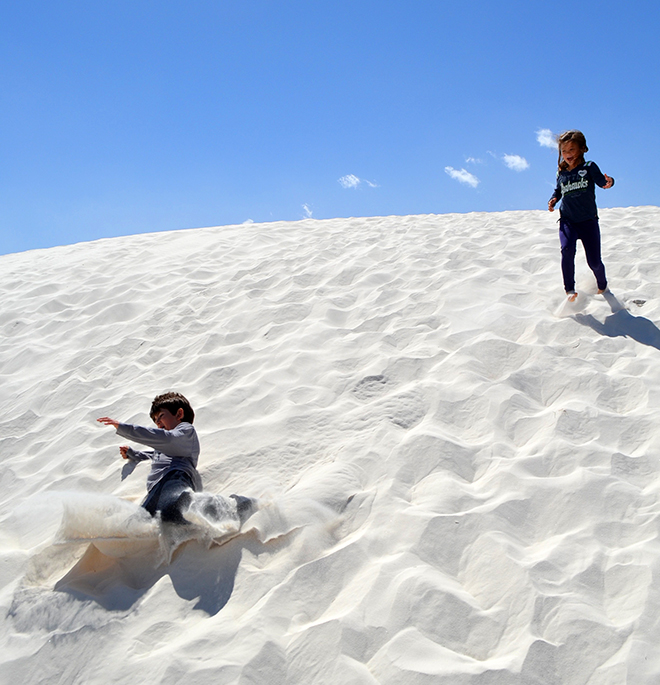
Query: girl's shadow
point(621, 323)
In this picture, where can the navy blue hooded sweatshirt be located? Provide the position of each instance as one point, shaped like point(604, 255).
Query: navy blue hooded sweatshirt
point(577, 191)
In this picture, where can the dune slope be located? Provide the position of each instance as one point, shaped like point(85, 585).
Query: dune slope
point(457, 472)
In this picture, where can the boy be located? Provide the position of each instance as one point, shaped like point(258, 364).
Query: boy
point(174, 456)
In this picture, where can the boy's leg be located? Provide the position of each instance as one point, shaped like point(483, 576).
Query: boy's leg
point(244, 507)
point(150, 502)
point(589, 233)
point(168, 497)
point(174, 496)
point(568, 241)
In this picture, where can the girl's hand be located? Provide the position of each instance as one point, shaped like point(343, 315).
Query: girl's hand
point(108, 421)
point(124, 451)
point(552, 203)
point(610, 181)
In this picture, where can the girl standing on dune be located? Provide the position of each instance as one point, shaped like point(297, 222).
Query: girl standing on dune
point(576, 181)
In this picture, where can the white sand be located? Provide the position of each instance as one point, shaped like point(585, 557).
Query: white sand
point(458, 472)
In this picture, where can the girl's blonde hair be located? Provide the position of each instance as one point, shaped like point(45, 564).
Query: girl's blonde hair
point(573, 136)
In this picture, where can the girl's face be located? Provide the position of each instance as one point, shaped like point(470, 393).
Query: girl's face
point(571, 153)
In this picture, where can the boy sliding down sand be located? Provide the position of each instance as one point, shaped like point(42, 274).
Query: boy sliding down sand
point(174, 456)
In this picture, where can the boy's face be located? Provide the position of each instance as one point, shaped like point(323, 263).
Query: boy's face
point(166, 420)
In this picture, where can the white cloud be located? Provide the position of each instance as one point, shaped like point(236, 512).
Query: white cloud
point(545, 138)
point(473, 160)
point(462, 176)
point(516, 162)
point(349, 181)
point(308, 211)
point(352, 181)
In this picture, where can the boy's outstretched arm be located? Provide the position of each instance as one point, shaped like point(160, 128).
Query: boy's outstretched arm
point(125, 451)
point(134, 455)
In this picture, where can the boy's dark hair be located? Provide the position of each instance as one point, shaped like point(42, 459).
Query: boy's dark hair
point(172, 401)
point(573, 136)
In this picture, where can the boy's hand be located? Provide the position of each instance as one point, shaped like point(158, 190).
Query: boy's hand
point(124, 451)
point(108, 421)
point(610, 181)
point(553, 202)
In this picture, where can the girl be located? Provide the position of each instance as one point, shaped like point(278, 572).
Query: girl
point(576, 181)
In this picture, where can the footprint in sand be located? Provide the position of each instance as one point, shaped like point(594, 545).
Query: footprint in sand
point(370, 387)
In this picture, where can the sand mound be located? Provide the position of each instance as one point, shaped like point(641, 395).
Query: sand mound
point(457, 471)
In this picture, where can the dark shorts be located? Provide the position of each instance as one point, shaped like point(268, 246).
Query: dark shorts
point(166, 496)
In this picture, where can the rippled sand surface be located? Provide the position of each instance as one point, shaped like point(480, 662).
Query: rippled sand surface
point(457, 472)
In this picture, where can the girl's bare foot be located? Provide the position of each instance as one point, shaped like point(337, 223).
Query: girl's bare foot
point(572, 295)
point(604, 290)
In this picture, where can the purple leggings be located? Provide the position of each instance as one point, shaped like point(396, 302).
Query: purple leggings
point(589, 233)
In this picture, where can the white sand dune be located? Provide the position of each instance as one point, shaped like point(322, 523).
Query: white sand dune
point(458, 472)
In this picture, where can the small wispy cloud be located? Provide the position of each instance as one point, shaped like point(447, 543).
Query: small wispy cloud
point(474, 160)
point(516, 162)
point(545, 138)
point(308, 211)
point(352, 181)
point(462, 176)
point(349, 181)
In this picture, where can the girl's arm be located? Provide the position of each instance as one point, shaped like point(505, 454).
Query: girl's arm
point(556, 196)
point(600, 179)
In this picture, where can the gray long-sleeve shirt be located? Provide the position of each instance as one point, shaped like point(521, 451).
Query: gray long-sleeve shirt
point(177, 449)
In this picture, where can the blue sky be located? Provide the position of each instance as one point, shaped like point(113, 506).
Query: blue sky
point(127, 116)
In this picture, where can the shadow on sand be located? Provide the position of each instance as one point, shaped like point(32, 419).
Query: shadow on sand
point(621, 323)
point(117, 581)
